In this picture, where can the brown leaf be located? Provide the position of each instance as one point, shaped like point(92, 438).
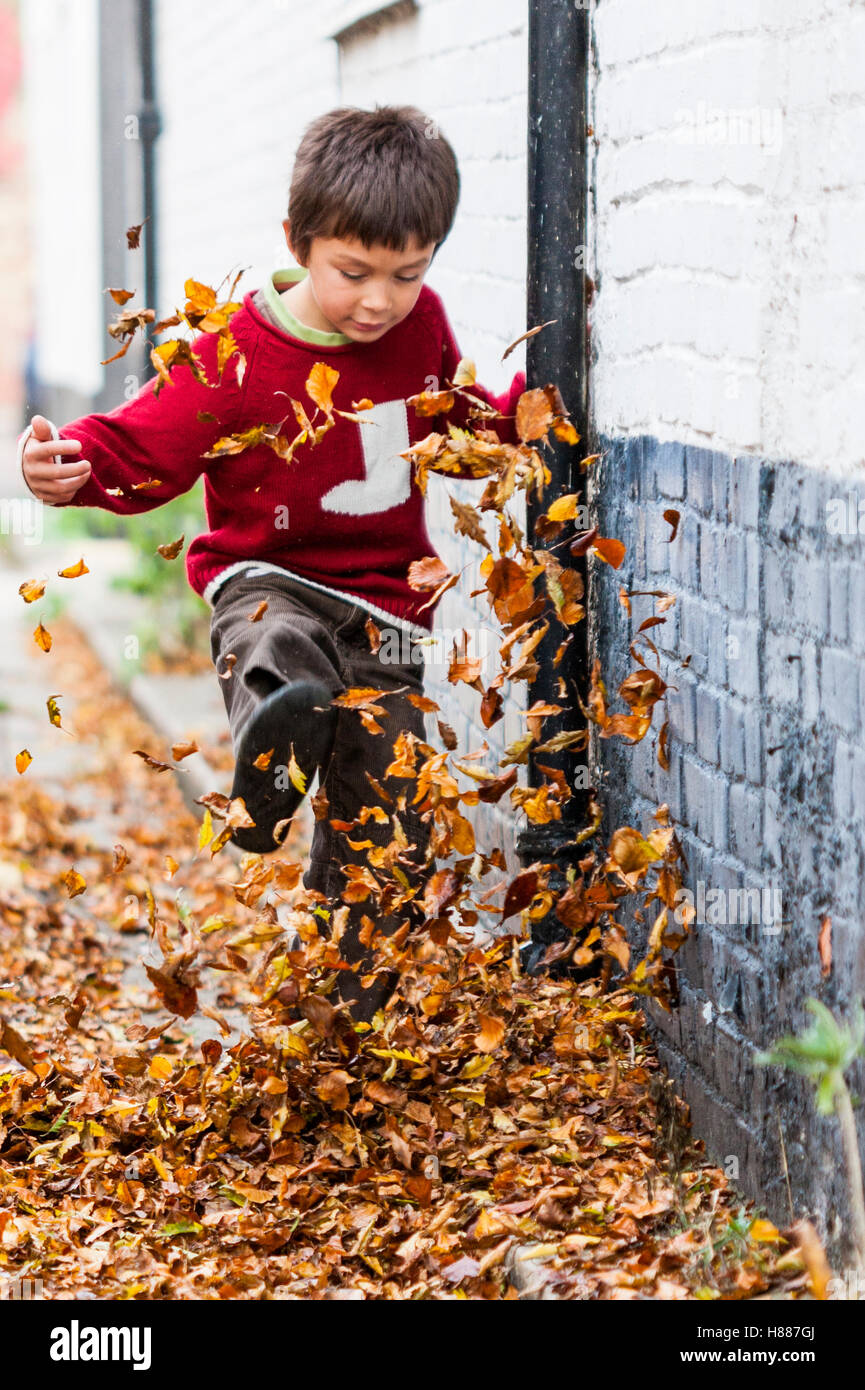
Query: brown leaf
point(468, 522)
point(320, 1013)
point(373, 635)
point(13, 1043)
point(152, 762)
point(520, 892)
point(383, 1094)
point(824, 946)
point(428, 573)
point(170, 551)
point(177, 994)
point(584, 542)
point(440, 892)
point(179, 751)
point(333, 1089)
point(447, 735)
point(133, 235)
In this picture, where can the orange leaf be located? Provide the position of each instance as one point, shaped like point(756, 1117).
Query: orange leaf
point(824, 945)
point(492, 1030)
point(611, 550)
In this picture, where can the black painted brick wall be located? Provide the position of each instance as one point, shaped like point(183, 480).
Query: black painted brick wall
point(766, 779)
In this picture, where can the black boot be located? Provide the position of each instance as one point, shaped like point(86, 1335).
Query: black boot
point(299, 715)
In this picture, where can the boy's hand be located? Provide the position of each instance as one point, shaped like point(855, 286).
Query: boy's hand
point(51, 467)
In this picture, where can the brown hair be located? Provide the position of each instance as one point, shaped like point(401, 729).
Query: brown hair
point(381, 176)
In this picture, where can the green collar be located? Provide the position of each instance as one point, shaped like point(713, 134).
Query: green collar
point(280, 279)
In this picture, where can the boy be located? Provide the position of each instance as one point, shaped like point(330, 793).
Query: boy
point(326, 540)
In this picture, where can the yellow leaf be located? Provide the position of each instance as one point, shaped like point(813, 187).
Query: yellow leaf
point(564, 430)
point(160, 1069)
point(75, 884)
point(466, 373)
point(763, 1230)
point(23, 760)
point(476, 1094)
point(564, 508)
point(205, 833)
point(202, 296)
point(74, 571)
point(401, 1054)
point(31, 589)
point(164, 1173)
point(476, 1067)
point(296, 776)
point(42, 638)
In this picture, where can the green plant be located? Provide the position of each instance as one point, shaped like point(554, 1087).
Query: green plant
point(162, 581)
point(823, 1053)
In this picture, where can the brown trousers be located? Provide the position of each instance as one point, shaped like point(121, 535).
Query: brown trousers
point(304, 632)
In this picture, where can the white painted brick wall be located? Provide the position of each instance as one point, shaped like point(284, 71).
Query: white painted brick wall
point(731, 270)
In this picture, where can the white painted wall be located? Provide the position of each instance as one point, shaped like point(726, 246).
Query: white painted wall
point(61, 87)
point(727, 240)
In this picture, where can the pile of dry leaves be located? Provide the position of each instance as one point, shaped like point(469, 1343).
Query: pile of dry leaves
point(481, 1111)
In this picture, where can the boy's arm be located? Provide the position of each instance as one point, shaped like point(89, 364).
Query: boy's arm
point(505, 404)
point(159, 437)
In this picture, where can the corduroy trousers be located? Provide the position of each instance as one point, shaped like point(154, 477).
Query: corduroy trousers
point(306, 633)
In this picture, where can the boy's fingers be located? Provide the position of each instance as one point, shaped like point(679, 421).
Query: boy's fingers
point(40, 427)
point(60, 492)
point(54, 485)
point(46, 449)
point(46, 470)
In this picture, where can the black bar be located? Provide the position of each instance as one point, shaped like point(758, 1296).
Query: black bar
point(149, 126)
point(557, 204)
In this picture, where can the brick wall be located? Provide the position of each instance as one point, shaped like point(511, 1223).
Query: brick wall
point(729, 189)
point(726, 336)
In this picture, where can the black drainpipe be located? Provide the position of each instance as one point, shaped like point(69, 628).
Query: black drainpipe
point(557, 280)
point(149, 127)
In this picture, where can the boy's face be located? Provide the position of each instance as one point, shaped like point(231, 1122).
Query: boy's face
point(359, 291)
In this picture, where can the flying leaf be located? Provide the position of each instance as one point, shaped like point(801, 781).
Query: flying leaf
point(31, 590)
point(296, 776)
point(172, 550)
